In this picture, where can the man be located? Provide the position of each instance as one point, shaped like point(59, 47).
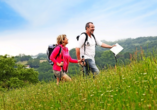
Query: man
point(88, 49)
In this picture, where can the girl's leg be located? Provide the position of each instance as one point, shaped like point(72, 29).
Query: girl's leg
point(66, 77)
point(58, 74)
point(58, 81)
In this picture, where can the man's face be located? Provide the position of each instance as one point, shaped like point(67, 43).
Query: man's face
point(91, 28)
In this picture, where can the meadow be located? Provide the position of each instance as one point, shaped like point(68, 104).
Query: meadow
point(128, 87)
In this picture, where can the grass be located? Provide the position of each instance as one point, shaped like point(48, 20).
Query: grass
point(25, 62)
point(43, 61)
point(22, 62)
point(123, 87)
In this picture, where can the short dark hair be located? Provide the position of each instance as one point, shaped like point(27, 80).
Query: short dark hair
point(87, 25)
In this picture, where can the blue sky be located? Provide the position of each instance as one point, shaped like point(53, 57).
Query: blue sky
point(29, 26)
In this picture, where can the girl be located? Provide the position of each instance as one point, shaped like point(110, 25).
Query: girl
point(61, 61)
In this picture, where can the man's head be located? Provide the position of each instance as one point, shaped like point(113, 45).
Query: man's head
point(90, 28)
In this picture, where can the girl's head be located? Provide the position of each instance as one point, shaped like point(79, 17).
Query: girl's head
point(62, 39)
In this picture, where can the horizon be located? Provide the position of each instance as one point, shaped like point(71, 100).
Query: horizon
point(28, 27)
point(35, 55)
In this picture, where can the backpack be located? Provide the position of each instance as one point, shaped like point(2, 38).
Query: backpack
point(50, 50)
point(86, 39)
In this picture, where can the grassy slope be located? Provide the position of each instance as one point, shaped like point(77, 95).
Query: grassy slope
point(22, 62)
point(131, 87)
point(25, 62)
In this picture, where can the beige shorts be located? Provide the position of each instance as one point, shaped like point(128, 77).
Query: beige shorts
point(58, 74)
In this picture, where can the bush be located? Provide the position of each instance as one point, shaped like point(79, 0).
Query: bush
point(14, 75)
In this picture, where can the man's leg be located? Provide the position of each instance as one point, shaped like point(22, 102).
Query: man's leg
point(90, 65)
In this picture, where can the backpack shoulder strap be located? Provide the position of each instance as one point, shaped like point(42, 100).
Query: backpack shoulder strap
point(59, 51)
point(94, 39)
point(86, 37)
point(85, 41)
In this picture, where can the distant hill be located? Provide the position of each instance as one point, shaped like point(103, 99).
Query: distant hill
point(130, 44)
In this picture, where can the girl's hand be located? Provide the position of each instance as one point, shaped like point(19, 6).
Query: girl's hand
point(79, 61)
point(60, 64)
point(82, 60)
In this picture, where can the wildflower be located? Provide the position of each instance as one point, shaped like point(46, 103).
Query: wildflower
point(111, 95)
point(108, 104)
point(92, 95)
point(149, 105)
point(84, 99)
point(144, 94)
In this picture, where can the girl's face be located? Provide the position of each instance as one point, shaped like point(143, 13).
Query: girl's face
point(65, 40)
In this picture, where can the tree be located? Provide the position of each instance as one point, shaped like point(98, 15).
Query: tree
point(14, 75)
point(45, 71)
point(34, 63)
point(22, 57)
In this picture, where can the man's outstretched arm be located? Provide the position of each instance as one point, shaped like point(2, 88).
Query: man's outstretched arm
point(78, 53)
point(106, 46)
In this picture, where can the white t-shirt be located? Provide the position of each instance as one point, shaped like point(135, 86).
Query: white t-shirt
point(89, 52)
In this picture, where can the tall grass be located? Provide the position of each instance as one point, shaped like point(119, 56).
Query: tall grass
point(123, 87)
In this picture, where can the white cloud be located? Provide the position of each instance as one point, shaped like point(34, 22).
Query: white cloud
point(40, 12)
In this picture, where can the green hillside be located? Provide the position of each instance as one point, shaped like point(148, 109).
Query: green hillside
point(131, 87)
point(130, 45)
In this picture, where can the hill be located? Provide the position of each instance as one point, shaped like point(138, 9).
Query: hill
point(123, 87)
point(130, 45)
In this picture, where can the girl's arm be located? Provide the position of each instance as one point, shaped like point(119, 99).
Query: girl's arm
point(74, 60)
point(54, 54)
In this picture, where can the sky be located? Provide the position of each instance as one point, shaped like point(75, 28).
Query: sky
point(29, 26)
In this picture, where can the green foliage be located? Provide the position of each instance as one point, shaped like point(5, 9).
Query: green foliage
point(13, 75)
point(34, 63)
point(45, 72)
point(42, 56)
point(22, 57)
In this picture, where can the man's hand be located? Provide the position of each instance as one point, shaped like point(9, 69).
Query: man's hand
point(82, 62)
point(113, 46)
point(107, 46)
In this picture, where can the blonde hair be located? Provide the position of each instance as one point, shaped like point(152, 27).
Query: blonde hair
point(60, 39)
